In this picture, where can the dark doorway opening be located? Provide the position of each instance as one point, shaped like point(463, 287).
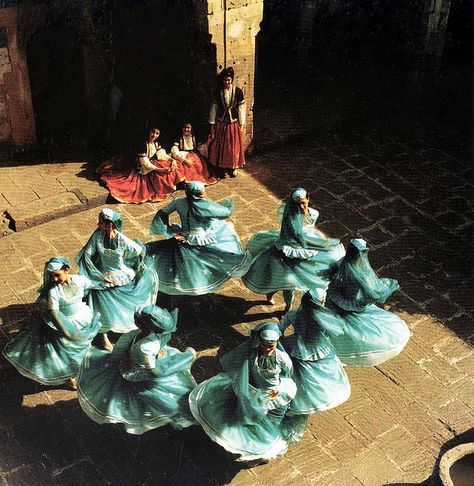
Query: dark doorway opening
point(56, 71)
point(162, 66)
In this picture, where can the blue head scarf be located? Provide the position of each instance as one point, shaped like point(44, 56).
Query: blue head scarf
point(52, 266)
point(199, 207)
point(293, 219)
point(267, 332)
point(112, 216)
point(159, 320)
point(355, 277)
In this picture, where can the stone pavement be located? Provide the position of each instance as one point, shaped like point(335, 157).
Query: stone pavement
point(34, 194)
point(409, 194)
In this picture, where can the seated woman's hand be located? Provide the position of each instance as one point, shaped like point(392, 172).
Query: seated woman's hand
point(164, 170)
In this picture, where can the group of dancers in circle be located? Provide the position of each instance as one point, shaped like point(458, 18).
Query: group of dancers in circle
point(260, 402)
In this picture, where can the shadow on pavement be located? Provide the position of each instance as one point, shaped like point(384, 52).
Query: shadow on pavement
point(46, 430)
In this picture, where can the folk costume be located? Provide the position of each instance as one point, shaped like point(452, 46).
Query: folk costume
point(371, 335)
point(227, 115)
point(244, 408)
point(319, 376)
point(143, 383)
point(204, 252)
point(298, 257)
point(143, 182)
point(122, 261)
point(51, 350)
point(193, 164)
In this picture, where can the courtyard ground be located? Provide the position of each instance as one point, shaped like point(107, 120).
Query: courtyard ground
point(407, 192)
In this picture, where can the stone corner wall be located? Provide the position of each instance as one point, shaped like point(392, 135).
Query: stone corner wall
point(233, 27)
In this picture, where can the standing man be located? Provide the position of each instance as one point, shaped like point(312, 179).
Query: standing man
point(227, 120)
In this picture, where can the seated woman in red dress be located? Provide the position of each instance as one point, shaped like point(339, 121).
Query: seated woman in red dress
point(186, 152)
point(153, 179)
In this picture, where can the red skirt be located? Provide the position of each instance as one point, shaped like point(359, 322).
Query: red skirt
point(132, 187)
point(198, 171)
point(227, 148)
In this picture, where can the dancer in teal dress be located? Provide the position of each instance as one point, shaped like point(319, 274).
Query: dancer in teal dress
point(296, 258)
point(110, 257)
point(319, 376)
point(371, 335)
point(143, 383)
point(244, 408)
point(50, 351)
point(204, 252)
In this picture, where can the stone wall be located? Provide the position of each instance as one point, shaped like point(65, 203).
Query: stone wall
point(234, 26)
point(17, 128)
point(17, 25)
point(328, 37)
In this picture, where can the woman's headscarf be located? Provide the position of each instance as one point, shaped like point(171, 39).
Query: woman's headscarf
point(266, 332)
point(199, 207)
point(312, 311)
point(355, 268)
point(53, 265)
point(194, 190)
point(111, 216)
point(159, 320)
point(293, 219)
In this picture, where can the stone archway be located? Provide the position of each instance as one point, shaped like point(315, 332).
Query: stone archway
point(56, 71)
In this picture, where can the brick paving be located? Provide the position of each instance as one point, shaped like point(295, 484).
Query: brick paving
point(408, 194)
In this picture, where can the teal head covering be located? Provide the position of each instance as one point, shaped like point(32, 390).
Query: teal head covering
point(52, 266)
point(266, 332)
point(312, 319)
point(159, 320)
point(112, 216)
point(298, 194)
point(313, 299)
point(356, 247)
point(292, 221)
point(194, 189)
point(355, 276)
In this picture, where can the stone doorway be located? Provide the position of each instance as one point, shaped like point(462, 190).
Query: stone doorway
point(56, 71)
point(161, 65)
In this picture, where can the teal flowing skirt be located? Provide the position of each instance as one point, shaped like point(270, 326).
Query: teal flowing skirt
point(213, 403)
point(116, 305)
point(185, 269)
point(322, 385)
point(272, 270)
point(43, 354)
point(108, 398)
point(370, 337)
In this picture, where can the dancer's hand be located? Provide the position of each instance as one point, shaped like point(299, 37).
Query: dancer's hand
point(273, 394)
point(179, 237)
point(108, 278)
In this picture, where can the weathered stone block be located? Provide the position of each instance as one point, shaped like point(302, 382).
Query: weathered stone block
point(43, 210)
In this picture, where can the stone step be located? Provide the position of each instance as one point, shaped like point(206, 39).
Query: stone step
point(27, 215)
